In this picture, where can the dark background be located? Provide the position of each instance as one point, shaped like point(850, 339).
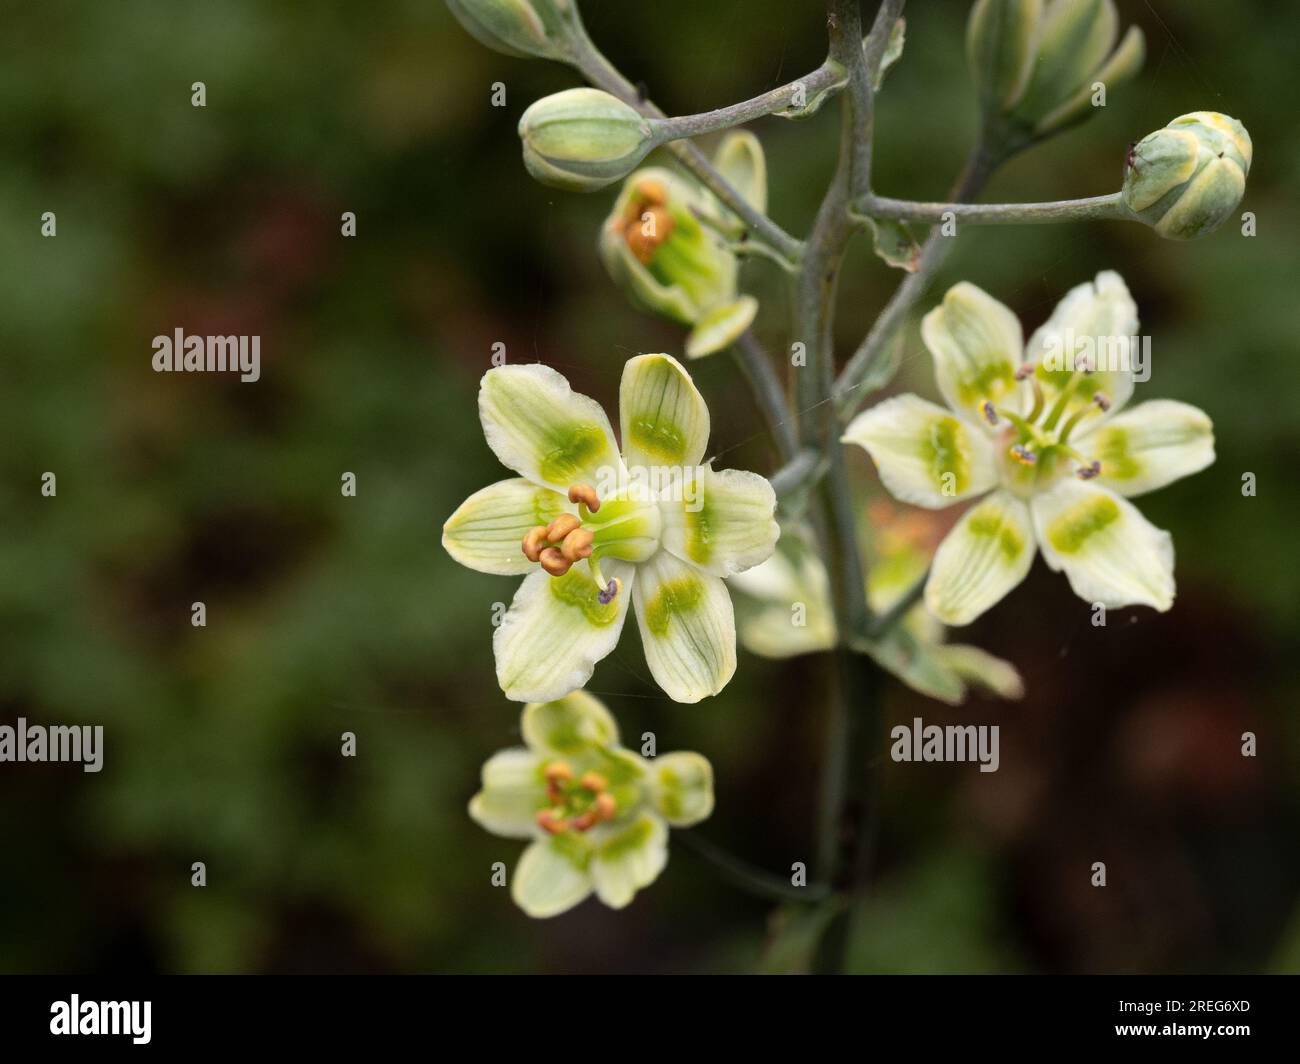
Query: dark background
point(329, 614)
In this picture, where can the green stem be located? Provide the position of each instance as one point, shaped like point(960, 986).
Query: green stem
point(825, 77)
point(983, 160)
point(604, 75)
point(769, 394)
point(901, 608)
point(1094, 207)
point(747, 876)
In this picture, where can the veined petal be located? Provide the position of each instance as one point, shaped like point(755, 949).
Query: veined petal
point(551, 876)
point(487, 530)
point(664, 418)
point(687, 627)
point(1097, 319)
point(987, 553)
point(722, 521)
point(982, 669)
point(569, 726)
point(513, 790)
point(542, 429)
point(556, 630)
point(627, 857)
point(720, 326)
point(976, 343)
point(926, 455)
point(1110, 552)
point(784, 607)
point(1154, 444)
point(681, 785)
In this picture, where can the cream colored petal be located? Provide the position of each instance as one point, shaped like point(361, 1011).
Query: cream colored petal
point(543, 430)
point(569, 726)
point(722, 521)
point(976, 343)
point(925, 454)
point(556, 630)
point(627, 857)
point(987, 553)
point(487, 530)
point(687, 627)
point(719, 327)
point(665, 421)
point(513, 791)
point(681, 787)
point(1112, 555)
point(1151, 445)
point(552, 876)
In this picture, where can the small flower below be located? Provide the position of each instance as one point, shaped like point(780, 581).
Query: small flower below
point(597, 814)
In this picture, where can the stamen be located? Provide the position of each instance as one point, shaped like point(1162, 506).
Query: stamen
point(577, 544)
point(585, 494)
point(1102, 400)
point(1023, 454)
point(647, 232)
point(551, 822)
point(652, 193)
point(1025, 371)
point(611, 589)
point(534, 541)
point(554, 562)
point(1085, 364)
point(594, 782)
point(561, 527)
point(606, 806)
point(988, 412)
point(1089, 471)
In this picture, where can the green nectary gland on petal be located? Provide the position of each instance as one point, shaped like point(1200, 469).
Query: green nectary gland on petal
point(992, 378)
point(988, 521)
point(1070, 532)
point(945, 455)
point(699, 530)
point(658, 436)
point(1111, 448)
point(629, 840)
point(576, 589)
point(570, 450)
point(674, 598)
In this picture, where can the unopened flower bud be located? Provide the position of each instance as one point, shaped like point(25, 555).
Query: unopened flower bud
point(546, 29)
point(1039, 65)
point(660, 244)
point(1186, 179)
point(583, 139)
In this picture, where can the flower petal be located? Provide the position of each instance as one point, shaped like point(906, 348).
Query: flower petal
point(722, 521)
point(987, 553)
point(543, 430)
point(925, 454)
point(569, 726)
point(556, 631)
point(1099, 319)
point(982, 669)
point(487, 530)
point(552, 876)
point(513, 790)
point(665, 421)
point(1111, 553)
point(628, 857)
point(721, 326)
point(687, 627)
point(783, 607)
point(976, 343)
point(1154, 444)
point(682, 787)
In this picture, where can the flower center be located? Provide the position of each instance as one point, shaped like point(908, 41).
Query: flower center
point(646, 223)
point(574, 805)
point(626, 529)
point(1035, 449)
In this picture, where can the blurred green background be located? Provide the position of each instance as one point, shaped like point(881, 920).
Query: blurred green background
point(329, 614)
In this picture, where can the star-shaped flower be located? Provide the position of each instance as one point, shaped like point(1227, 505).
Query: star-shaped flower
point(595, 529)
point(1040, 426)
point(597, 814)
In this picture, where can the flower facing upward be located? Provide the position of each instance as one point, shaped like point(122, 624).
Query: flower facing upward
point(1043, 428)
point(594, 529)
point(597, 814)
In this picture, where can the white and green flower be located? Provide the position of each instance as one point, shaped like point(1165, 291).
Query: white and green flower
point(662, 245)
point(595, 529)
point(1039, 429)
point(597, 814)
point(785, 610)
